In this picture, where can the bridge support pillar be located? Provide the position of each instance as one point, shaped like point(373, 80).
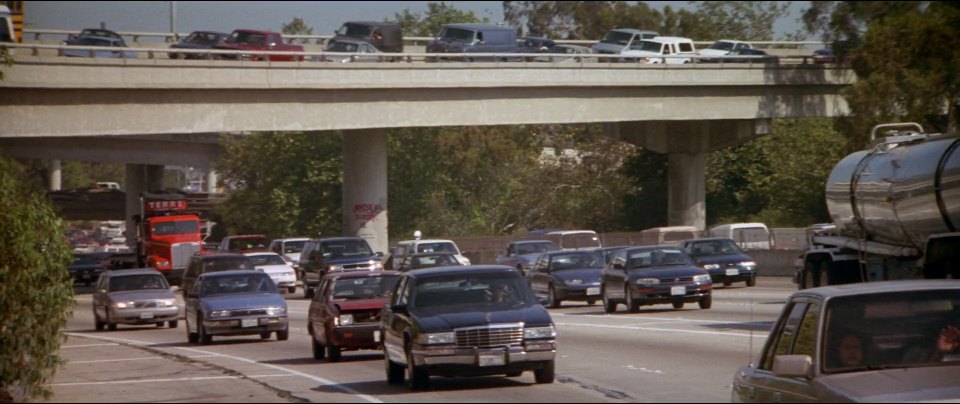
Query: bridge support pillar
point(56, 176)
point(365, 186)
point(139, 178)
point(211, 181)
point(686, 144)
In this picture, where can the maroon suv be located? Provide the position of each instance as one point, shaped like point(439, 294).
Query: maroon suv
point(345, 312)
point(253, 41)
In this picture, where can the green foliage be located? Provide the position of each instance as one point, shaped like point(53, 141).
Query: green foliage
point(437, 15)
point(297, 27)
point(82, 174)
point(743, 20)
point(5, 59)
point(36, 291)
point(289, 184)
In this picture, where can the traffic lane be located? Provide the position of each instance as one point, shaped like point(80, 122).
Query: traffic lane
point(360, 377)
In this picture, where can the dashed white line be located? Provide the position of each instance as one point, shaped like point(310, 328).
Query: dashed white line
point(85, 345)
point(673, 330)
point(182, 379)
point(69, 362)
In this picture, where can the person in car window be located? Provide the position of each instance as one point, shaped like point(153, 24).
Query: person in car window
point(498, 293)
point(847, 351)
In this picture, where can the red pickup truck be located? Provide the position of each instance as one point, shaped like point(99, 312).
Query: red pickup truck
point(253, 40)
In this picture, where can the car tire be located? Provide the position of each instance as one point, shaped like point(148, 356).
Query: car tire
point(546, 374)
point(706, 301)
point(608, 305)
point(292, 289)
point(727, 283)
point(677, 305)
point(265, 335)
point(552, 298)
point(159, 324)
point(205, 339)
point(172, 323)
point(632, 305)
point(192, 337)
point(752, 281)
point(111, 325)
point(394, 371)
point(334, 353)
point(308, 292)
point(591, 302)
point(319, 352)
point(283, 335)
point(417, 377)
point(808, 280)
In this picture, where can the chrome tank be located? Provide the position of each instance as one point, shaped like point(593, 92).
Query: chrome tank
point(899, 192)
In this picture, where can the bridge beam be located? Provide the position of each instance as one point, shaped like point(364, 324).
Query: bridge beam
point(686, 144)
point(365, 186)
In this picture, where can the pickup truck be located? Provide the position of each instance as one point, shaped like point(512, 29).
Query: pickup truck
point(253, 40)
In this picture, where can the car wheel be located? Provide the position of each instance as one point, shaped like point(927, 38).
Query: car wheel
point(192, 337)
point(394, 371)
point(514, 374)
point(808, 281)
point(172, 323)
point(608, 305)
point(591, 302)
point(97, 323)
point(678, 305)
point(283, 335)
point(632, 305)
point(265, 335)
point(727, 283)
point(308, 292)
point(552, 298)
point(292, 289)
point(333, 353)
point(205, 339)
point(546, 374)
point(706, 301)
point(111, 325)
point(318, 350)
point(159, 324)
point(752, 281)
point(417, 377)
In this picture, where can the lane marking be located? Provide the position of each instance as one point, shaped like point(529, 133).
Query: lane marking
point(624, 327)
point(69, 362)
point(85, 345)
point(633, 318)
point(183, 379)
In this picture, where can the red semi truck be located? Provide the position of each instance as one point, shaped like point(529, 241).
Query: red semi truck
point(167, 234)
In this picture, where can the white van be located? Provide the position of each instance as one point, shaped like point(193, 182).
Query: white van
point(661, 49)
point(668, 235)
point(749, 236)
point(574, 239)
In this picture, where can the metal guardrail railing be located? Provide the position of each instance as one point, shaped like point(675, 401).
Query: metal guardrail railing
point(566, 59)
point(171, 37)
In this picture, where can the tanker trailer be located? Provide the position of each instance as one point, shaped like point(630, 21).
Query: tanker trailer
point(895, 210)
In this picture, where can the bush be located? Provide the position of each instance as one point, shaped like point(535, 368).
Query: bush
point(36, 291)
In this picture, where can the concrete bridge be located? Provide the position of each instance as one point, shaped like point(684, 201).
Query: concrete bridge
point(114, 106)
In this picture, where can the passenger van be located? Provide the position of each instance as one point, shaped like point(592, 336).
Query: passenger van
point(385, 36)
point(574, 239)
point(749, 236)
point(652, 50)
point(668, 235)
point(475, 38)
point(618, 40)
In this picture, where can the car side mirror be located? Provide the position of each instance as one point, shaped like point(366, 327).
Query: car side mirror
point(618, 266)
point(379, 254)
point(273, 45)
point(399, 308)
point(793, 366)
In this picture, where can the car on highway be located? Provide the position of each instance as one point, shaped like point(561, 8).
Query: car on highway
point(723, 259)
point(659, 274)
point(86, 267)
point(567, 275)
point(344, 314)
point(289, 248)
point(428, 260)
point(523, 253)
point(889, 341)
point(244, 243)
point(363, 51)
point(134, 296)
point(619, 39)
point(276, 267)
point(235, 303)
point(335, 254)
point(750, 56)
point(197, 40)
point(718, 49)
point(660, 50)
point(474, 38)
point(466, 321)
point(217, 262)
point(418, 245)
point(610, 252)
point(565, 53)
point(104, 42)
point(384, 36)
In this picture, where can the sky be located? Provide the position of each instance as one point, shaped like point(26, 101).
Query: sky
point(323, 16)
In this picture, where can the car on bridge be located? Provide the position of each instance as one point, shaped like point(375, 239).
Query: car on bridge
point(253, 41)
point(888, 341)
point(650, 275)
point(197, 40)
point(105, 42)
point(365, 51)
point(619, 39)
point(721, 48)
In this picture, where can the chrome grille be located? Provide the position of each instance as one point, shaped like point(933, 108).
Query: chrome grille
point(251, 312)
point(676, 281)
point(180, 253)
point(496, 335)
point(145, 304)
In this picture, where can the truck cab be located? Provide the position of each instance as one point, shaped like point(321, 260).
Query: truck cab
point(253, 40)
point(167, 235)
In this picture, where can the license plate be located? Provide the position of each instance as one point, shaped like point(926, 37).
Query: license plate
point(491, 360)
point(146, 315)
point(376, 335)
point(593, 291)
point(249, 322)
point(733, 271)
point(678, 290)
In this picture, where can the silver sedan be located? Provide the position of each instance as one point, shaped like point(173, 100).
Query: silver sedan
point(134, 296)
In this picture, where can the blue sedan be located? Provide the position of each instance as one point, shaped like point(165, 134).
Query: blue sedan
point(567, 275)
point(654, 275)
point(235, 303)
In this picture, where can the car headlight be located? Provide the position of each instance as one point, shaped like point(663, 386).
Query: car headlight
point(335, 267)
point(219, 313)
point(464, 260)
point(436, 338)
point(276, 311)
point(701, 278)
point(573, 282)
point(377, 265)
point(167, 302)
point(748, 264)
point(539, 332)
point(343, 319)
point(711, 266)
point(648, 281)
point(124, 305)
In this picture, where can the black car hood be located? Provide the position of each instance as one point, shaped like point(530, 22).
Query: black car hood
point(587, 274)
point(722, 258)
point(448, 318)
point(666, 272)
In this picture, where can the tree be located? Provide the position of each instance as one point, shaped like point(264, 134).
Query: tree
point(36, 293)
point(297, 27)
point(437, 15)
point(579, 19)
point(743, 20)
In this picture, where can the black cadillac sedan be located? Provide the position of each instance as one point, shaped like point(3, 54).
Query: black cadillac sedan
point(654, 275)
point(472, 320)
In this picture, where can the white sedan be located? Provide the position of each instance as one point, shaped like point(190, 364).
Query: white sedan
point(280, 270)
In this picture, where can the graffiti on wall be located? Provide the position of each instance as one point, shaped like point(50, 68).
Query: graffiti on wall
point(366, 211)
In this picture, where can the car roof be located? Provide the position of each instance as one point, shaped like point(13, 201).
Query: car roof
point(854, 289)
point(253, 253)
point(131, 272)
point(256, 31)
point(429, 240)
point(708, 239)
point(373, 23)
point(425, 254)
point(559, 252)
point(460, 269)
point(350, 39)
point(485, 27)
point(232, 272)
point(220, 256)
point(635, 31)
point(531, 241)
point(669, 39)
point(292, 239)
point(654, 247)
point(359, 274)
point(671, 228)
point(568, 232)
point(340, 239)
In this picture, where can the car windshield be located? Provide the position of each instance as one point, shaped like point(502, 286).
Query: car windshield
point(650, 259)
point(266, 259)
point(436, 247)
point(722, 45)
point(247, 243)
point(340, 46)
point(226, 264)
point(354, 30)
point(368, 287)
point(202, 38)
point(533, 248)
point(456, 35)
point(345, 249)
point(481, 289)
point(714, 247)
point(241, 37)
point(99, 32)
point(293, 246)
point(432, 260)
point(254, 282)
point(884, 330)
point(617, 37)
point(89, 41)
point(576, 260)
point(177, 227)
point(88, 259)
point(137, 282)
point(648, 46)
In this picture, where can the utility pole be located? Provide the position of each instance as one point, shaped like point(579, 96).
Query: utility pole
point(173, 19)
